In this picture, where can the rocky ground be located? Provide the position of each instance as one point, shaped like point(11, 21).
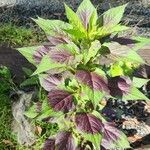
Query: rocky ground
point(20, 11)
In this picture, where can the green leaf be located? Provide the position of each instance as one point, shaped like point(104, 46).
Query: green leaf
point(113, 16)
point(139, 82)
point(93, 21)
point(119, 28)
point(28, 53)
point(121, 143)
point(32, 112)
point(95, 139)
point(116, 70)
point(107, 30)
point(92, 52)
point(29, 82)
point(27, 71)
point(123, 52)
point(93, 95)
point(71, 47)
point(134, 57)
point(51, 27)
point(75, 21)
point(142, 41)
point(135, 94)
point(47, 64)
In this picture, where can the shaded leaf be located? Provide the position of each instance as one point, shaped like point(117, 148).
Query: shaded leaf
point(119, 86)
point(60, 100)
point(88, 123)
point(28, 72)
point(65, 141)
point(93, 80)
point(30, 82)
point(49, 144)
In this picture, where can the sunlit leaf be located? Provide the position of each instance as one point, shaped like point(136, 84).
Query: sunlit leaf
point(113, 138)
point(59, 39)
point(93, 51)
point(49, 82)
point(75, 21)
point(63, 55)
point(47, 64)
point(95, 139)
point(139, 82)
point(113, 16)
point(135, 94)
point(51, 27)
point(85, 11)
point(116, 70)
point(28, 53)
point(40, 53)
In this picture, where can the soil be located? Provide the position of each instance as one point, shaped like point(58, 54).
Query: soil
point(14, 61)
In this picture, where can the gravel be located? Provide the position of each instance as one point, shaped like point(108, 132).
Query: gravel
point(21, 11)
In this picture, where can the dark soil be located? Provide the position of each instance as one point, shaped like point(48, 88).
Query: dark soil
point(14, 61)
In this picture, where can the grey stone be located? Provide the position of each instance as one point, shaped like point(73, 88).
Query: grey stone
point(20, 125)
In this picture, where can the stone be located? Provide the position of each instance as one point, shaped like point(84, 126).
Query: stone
point(20, 125)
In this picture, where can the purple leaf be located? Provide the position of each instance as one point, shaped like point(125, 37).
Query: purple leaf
point(60, 100)
point(61, 56)
point(50, 82)
point(55, 40)
point(65, 141)
point(85, 11)
point(110, 135)
point(88, 123)
point(119, 86)
point(49, 144)
point(38, 55)
point(117, 50)
point(85, 17)
point(93, 80)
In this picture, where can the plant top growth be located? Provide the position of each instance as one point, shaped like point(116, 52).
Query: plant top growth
point(69, 69)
